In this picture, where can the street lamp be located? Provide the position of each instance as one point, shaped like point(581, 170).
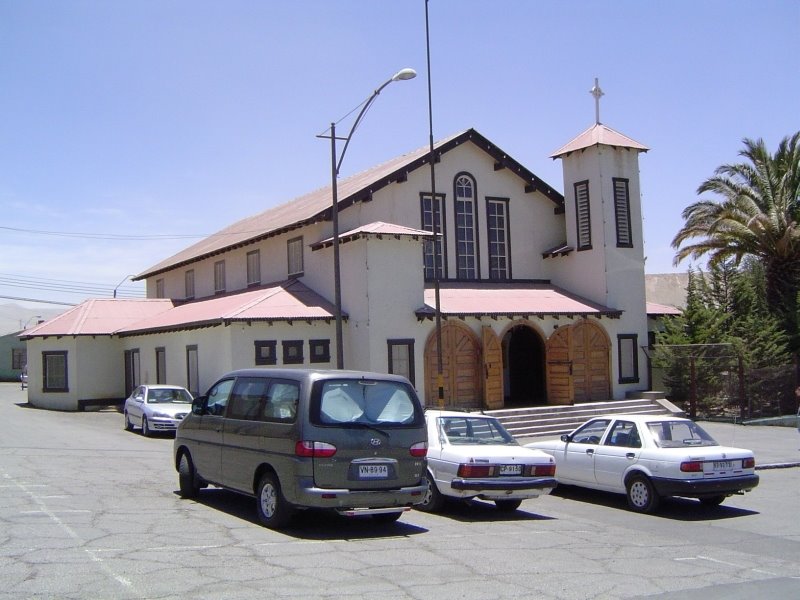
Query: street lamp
point(401, 75)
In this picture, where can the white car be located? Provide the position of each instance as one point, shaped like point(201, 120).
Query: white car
point(157, 408)
point(471, 455)
point(647, 457)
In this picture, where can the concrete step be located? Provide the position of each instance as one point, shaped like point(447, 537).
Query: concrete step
point(553, 421)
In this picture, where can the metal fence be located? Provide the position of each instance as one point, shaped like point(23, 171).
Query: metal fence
point(712, 381)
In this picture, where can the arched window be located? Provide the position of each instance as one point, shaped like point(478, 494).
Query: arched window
point(466, 230)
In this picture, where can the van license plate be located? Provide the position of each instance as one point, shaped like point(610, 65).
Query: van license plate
point(373, 471)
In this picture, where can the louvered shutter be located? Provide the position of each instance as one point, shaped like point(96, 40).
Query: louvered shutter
point(582, 215)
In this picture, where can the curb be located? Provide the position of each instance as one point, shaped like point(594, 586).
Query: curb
point(786, 465)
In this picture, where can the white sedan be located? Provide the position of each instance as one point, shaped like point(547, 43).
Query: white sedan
point(471, 455)
point(156, 408)
point(647, 457)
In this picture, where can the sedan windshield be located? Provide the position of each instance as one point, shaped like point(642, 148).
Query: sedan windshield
point(678, 434)
point(475, 430)
point(169, 396)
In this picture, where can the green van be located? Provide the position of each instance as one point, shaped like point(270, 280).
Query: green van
point(295, 439)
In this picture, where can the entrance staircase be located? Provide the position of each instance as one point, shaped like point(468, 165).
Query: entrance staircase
point(552, 421)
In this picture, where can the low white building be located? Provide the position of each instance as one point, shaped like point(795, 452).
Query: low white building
point(541, 295)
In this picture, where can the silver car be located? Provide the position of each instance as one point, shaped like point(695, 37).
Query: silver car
point(157, 408)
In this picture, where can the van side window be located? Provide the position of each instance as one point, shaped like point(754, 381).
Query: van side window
point(264, 399)
point(248, 395)
point(218, 397)
point(281, 404)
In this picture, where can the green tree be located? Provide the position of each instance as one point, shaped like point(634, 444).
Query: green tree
point(758, 216)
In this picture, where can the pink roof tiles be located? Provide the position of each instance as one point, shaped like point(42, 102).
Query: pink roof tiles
point(599, 135)
point(662, 310)
point(377, 229)
point(316, 206)
point(509, 299)
point(285, 301)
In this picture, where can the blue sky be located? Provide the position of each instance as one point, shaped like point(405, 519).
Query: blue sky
point(174, 118)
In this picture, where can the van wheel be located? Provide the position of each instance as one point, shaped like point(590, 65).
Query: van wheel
point(642, 496)
point(507, 505)
point(187, 477)
point(273, 510)
point(433, 500)
point(145, 427)
point(387, 517)
point(128, 424)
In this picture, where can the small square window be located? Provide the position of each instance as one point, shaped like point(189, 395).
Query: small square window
point(320, 351)
point(293, 352)
point(266, 352)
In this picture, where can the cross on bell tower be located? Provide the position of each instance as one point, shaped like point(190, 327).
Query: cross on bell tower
point(597, 93)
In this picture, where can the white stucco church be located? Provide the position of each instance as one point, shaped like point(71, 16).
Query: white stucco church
point(541, 294)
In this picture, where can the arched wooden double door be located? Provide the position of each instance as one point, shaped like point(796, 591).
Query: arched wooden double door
point(472, 368)
point(578, 364)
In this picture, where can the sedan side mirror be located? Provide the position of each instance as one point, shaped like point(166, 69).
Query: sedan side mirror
point(565, 438)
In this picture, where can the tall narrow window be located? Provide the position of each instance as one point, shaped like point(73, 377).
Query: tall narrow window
point(433, 249)
point(133, 366)
point(628, 358)
point(253, 268)
point(582, 215)
point(219, 277)
point(159, 288)
point(622, 213)
point(294, 253)
point(54, 372)
point(401, 358)
point(19, 358)
point(188, 281)
point(192, 370)
point(497, 227)
point(161, 365)
point(465, 228)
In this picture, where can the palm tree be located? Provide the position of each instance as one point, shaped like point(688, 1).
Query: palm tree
point(758, 215)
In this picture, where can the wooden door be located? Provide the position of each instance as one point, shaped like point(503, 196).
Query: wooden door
point(461, 368)
point(493, 396)
point(591, 370)
point(559, 367)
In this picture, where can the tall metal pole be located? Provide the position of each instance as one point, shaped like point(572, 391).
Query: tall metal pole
point(337, 283)
point(435, 215)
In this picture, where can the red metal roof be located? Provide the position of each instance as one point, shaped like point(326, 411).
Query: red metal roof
point(597, 135)
point(509, 299)
point(284, 301)
point(99, 317)
point(316, 206)
point(662, 310)
point(376, 229)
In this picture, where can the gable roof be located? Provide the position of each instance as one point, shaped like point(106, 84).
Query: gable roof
point(283, 301)
point(481, 299)
point(378, 229)
point(316, 206)
point(598, 135)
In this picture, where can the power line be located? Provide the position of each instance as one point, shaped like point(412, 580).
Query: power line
point(69, 287)
point(37, 300)
point(108, 236)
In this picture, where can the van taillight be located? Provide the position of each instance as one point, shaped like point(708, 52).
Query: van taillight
point(419, 450)
point(749, 463)
point(310, 449)
point(692, 466)
point(471, 470)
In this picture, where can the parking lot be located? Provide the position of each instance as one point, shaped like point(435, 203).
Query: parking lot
point(91, 511)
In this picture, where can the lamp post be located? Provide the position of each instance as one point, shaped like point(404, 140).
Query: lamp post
point(127, 277)
point(336, 164)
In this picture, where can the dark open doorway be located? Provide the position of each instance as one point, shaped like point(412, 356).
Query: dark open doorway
point(524, 373)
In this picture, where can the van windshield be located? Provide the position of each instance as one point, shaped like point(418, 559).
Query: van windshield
point(368, 402)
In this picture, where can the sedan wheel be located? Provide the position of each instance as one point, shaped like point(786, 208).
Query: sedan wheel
point(128, 424)
point(433, 500)
point(145, 427)
point(273, 510)
point(642, 496)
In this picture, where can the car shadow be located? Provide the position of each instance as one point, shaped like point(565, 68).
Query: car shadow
point(318, 525)
point(477, 511)
point(680, 509)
